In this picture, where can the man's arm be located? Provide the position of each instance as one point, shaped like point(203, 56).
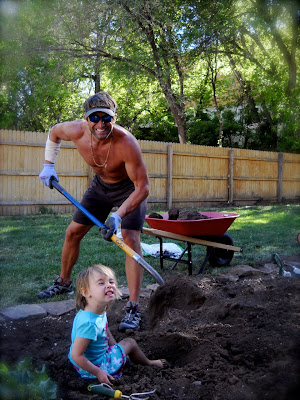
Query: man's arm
point(68, 131)
point(63, 131)
point(59, 132)
point(137, 172)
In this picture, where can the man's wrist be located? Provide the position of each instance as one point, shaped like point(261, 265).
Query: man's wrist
point(116, 217)
point(49, 165)
point(51, 150)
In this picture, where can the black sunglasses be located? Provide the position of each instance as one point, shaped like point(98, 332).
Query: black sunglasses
point(105, 119)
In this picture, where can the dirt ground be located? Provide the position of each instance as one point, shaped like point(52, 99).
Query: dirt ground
point(229, 337)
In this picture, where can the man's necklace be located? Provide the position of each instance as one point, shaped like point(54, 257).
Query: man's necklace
point(105, 162)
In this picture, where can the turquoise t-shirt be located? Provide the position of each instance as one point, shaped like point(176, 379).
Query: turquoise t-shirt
point(94, 327)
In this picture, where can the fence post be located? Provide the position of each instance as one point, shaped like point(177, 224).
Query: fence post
point(230, 176)
point(280, 177)
point(169, 175)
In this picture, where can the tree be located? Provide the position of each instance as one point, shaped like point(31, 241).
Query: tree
point(144, 35)
point(156, 57)
point(263, 55)
point(213, 69)
point(37, 88)
point(260, 38)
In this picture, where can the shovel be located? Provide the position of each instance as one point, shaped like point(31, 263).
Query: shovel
point(128, 250)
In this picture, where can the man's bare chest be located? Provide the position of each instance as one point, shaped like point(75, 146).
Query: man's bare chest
point(105, 158)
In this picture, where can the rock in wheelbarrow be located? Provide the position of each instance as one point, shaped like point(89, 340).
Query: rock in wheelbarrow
point(178, 292)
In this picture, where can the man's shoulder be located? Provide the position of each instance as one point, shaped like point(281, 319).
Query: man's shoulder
point(72, 129)
point(79, 124)
point(121, 130)
point(124, 135)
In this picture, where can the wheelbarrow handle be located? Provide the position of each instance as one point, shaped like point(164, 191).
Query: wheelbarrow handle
point(53, 183)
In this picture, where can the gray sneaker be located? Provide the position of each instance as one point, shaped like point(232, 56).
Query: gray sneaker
point(132, 317)
point(57, 288)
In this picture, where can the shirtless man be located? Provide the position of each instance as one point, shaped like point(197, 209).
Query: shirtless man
point(120, 181)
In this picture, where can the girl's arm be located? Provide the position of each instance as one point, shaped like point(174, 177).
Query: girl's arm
point(79, 347)
point(111, 339)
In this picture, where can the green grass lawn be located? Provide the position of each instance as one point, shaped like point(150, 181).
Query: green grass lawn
point(31, 248)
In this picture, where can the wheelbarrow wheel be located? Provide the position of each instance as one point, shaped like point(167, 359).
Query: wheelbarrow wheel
point(220, 257)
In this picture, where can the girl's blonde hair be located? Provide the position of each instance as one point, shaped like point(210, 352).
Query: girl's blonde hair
point(82, 282)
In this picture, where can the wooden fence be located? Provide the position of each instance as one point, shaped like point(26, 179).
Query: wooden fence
point(180, 175)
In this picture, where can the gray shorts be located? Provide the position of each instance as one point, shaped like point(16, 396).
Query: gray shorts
point(101, 197)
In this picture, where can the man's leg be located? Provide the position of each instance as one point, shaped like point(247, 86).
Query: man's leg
point(134, 276)
point(70, 253)
point(71, 248)
point(134, 272)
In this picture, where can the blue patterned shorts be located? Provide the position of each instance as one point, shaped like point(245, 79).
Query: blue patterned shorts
point(111, 362)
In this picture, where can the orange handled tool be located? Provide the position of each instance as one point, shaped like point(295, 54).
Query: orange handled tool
point(108, 391)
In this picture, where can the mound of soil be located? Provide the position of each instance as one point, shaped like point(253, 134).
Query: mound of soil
point(230, 337)
point(176, 214)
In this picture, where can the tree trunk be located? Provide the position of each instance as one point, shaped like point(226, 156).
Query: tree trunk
point(177, 110)
point(220, 140)
point(214, 72)
point(97, 82)
point(164, 54)
point(288, 52)
point(97, 79)
point(246, 88)
point(179, 117)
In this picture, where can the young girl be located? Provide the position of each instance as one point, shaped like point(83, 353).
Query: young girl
point(94, 352)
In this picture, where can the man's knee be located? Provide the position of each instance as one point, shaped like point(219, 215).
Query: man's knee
point(131, 238)
point(76, 231)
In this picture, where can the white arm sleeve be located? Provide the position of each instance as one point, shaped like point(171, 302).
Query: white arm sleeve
point(51, 150)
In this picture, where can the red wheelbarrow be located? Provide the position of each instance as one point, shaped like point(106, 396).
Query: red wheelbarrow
point(209, 232)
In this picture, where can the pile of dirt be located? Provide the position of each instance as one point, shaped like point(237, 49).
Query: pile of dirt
point(179, 292)
point(227, 337)
point(180, 215)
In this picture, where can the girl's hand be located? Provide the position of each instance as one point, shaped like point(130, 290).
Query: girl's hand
point(104, 377)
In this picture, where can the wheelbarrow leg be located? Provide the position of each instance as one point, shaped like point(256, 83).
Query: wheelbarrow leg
point(161, 252)
point(218, 257)
point(190, 265)
point(188, 261)
point(205, 261)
